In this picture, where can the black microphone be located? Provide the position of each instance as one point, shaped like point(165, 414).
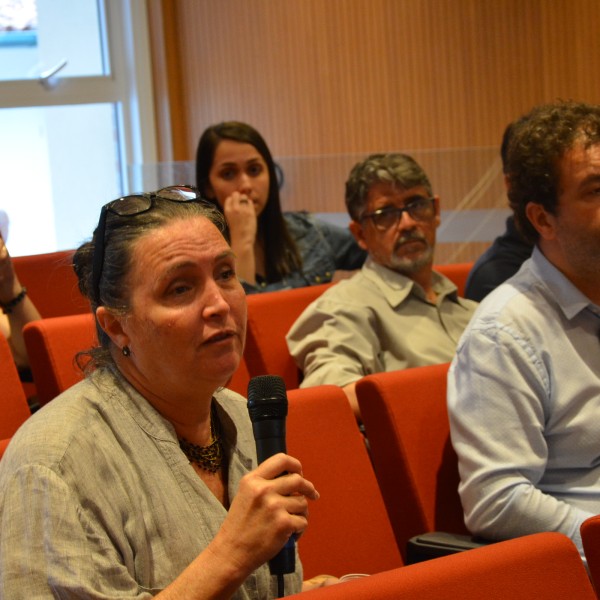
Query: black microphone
point(268, 407)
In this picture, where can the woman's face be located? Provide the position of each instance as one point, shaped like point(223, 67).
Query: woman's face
point(238, 167)
point(187, 324)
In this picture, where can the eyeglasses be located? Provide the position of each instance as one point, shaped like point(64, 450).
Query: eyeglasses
point(419, 209)
point(130, 206)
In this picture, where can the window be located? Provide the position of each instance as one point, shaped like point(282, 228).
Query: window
point(76, 116)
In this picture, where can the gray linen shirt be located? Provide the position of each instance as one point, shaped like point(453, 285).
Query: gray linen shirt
point(97, 500)
point(377, 321)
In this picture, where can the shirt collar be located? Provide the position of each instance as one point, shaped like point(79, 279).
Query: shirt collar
point(396, 288)
point(151, 421)
point(570, 299)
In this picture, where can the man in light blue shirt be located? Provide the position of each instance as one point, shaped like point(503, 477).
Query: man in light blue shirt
point(524, 387)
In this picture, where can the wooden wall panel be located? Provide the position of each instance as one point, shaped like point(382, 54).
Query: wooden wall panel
point(329, 81)
point(338, 76)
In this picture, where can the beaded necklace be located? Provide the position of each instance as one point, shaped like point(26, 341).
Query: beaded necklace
point(208, 457)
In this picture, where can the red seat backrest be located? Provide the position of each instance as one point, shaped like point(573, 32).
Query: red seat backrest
point(406, 421)
point(270, 317)
point(52, 345)
point(457, 273)
point(51, 283)
point(590, 536)
point(14, 409)
point(544, 566)
point(349, 530)
point(3, 446)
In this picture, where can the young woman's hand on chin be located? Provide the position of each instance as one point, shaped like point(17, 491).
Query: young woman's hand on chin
point(242, 220)
point(241, 216)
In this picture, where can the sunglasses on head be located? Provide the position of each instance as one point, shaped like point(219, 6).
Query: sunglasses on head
point(130, 206)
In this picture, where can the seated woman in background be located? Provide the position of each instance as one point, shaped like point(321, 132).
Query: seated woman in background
point(142, 480)
point(275, 250)
point(17, 308)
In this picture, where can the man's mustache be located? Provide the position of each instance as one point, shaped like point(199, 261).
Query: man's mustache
point(410, 237)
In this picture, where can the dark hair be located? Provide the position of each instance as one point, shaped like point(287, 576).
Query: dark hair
point(281, 254)
point(394, 168)
point(506, 137)
point(509, 131)
point(120, 238)
point(535, 150)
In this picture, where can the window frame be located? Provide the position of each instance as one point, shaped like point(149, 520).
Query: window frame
point(128, 86)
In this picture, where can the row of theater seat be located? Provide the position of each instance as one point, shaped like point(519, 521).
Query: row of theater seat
point(395, 404)
point(404, 413)
point(52, 285)
point(348, 536)
point(368, 510)
point(544, 566)
point(350, 529)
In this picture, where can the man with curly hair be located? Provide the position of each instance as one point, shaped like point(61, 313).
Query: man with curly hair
point(524, 387)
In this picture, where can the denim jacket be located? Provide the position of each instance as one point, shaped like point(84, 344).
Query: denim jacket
point(324, 248)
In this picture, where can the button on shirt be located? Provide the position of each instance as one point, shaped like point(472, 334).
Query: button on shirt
point(376, 321)
point(524, 405)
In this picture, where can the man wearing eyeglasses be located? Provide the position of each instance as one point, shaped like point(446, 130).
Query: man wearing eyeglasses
point(397, 312)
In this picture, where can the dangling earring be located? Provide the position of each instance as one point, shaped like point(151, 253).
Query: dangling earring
point(126, 351)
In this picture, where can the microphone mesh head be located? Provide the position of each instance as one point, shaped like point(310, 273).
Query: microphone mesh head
point(267, 397)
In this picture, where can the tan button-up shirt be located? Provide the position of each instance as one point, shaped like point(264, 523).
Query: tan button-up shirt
point(377, 321)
